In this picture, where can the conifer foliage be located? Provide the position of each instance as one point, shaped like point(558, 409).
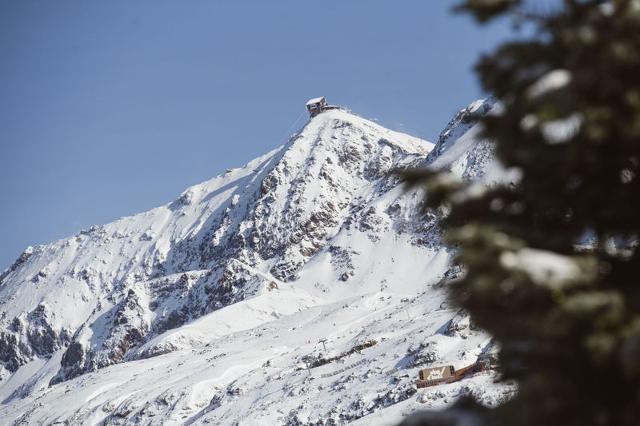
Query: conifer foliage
point(552, 260)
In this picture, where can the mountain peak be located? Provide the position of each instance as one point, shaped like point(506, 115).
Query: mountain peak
point(460, 124)
point(225, 291)
point(273, 215)
point(336, 119)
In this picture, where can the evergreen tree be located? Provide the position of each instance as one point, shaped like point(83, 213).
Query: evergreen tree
point(552, 260)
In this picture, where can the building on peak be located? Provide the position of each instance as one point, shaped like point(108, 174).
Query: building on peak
point(316, 105)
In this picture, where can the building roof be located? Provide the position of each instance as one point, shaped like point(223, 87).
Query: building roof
point(315, 100)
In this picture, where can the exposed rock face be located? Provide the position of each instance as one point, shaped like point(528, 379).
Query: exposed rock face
point(459, 325)
point(124, 326)
point(13, 352)
point(329, 173)
point(31, 334)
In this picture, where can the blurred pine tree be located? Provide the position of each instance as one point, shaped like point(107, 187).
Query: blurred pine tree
point(552, 261)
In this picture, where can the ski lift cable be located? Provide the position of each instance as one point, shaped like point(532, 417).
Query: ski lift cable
point(295, 123)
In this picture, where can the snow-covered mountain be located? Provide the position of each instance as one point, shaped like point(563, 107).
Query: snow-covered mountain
point(302, 288)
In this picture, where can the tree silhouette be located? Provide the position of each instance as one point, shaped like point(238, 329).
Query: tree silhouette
point(552, 260)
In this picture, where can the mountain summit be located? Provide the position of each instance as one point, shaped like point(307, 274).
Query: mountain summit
point(299, 288)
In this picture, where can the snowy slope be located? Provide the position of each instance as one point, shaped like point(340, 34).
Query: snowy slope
point(211, 308)
point(459, 149)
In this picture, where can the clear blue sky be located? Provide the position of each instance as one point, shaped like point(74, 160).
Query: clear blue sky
point(109, 108)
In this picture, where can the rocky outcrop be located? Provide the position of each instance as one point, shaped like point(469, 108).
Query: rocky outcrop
point(125, 328)
point(29, 335)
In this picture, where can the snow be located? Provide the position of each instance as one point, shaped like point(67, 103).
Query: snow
point(281, 342)
point(210, 309)
point(463, 152)
point(551, 81)
point(543, 267)
point(562, 130)
point(315, 100)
